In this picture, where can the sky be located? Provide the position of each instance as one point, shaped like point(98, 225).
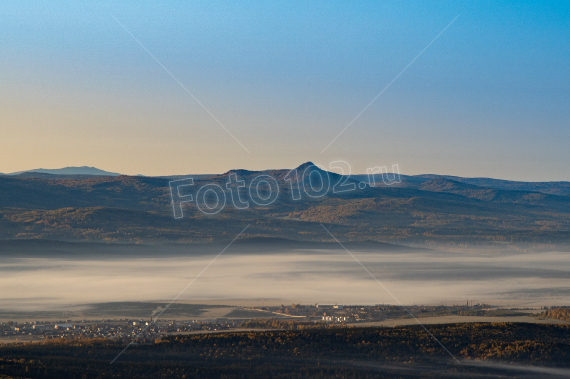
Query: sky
point(467, 88)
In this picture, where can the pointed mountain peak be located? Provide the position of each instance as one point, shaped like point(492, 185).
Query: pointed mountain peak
point(305, 165)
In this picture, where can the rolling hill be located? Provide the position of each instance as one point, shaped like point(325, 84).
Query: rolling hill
point(560, 188)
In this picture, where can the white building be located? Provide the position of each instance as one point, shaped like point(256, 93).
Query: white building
point(63, 326)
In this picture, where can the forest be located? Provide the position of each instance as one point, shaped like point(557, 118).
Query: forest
point(558, 314)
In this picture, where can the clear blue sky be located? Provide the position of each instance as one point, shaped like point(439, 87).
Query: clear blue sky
point(490, 97)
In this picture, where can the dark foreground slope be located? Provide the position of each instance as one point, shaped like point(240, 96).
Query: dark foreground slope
point(506, 349)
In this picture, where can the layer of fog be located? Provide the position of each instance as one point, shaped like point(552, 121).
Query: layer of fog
point(301, 276)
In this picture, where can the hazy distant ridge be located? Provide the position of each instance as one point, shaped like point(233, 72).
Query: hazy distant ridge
point(84, 170)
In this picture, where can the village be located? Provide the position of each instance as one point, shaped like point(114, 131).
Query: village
point(147, 330)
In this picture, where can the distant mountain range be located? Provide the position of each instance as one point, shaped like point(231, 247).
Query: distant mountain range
point(407, 181)
point(84, 170)
point(421, 210)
